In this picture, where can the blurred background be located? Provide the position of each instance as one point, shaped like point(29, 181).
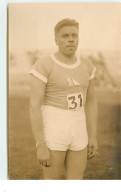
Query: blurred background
point(30, 36)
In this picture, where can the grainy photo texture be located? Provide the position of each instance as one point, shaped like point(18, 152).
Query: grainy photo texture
point(64, 64)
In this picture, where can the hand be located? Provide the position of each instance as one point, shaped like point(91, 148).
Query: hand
point(43, 155)
point(92, 147)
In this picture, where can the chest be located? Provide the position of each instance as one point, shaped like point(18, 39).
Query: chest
point(65, 78)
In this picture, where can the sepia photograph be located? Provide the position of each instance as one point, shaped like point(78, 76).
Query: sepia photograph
point(64, 91)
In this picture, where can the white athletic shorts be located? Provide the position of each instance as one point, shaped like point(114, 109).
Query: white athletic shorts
point(64, 129)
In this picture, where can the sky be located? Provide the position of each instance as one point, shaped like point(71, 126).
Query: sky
point(31, 25)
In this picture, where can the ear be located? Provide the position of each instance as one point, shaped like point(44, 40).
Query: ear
point(56, 40)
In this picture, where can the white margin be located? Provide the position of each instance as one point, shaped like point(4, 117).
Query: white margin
point(3, 90)
point(46, 186)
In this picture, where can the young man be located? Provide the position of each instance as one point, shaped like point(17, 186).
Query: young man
point(62, 92)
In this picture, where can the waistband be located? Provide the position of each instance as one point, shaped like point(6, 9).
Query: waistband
point(59, 110)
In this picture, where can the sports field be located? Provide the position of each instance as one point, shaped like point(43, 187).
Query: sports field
point(22, 151)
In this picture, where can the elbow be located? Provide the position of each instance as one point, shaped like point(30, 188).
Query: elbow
point(92, 105)
point(35, 106)
point(92, 101)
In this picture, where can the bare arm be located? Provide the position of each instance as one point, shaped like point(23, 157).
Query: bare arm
point(91, 119)
point(36, 100)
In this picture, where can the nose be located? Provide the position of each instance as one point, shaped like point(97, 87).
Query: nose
point(70, 38)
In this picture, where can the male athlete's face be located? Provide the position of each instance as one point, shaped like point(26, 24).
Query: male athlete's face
point(67, 40)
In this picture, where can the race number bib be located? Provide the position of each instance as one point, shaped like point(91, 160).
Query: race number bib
point(74, 101)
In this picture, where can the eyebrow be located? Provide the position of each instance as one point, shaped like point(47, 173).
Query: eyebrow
point(69, 33)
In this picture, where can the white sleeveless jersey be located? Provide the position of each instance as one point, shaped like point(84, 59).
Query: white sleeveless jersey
point(66, 85)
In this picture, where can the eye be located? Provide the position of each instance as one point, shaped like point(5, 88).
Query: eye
point(74, 35)
point(65, 35)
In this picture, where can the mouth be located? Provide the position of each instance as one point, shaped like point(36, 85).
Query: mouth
point(71, 46)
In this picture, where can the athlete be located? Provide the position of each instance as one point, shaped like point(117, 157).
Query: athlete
point(63, 108)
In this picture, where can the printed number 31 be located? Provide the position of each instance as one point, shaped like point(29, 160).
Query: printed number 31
point(76, 101)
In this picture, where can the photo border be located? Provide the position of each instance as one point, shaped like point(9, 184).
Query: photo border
point(46, 185)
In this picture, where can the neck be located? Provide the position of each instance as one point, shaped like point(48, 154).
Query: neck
point(66, 59)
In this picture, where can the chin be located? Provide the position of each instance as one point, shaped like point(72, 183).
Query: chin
point(70, 53)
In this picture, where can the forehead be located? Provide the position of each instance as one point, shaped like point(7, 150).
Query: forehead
point(68, 30)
